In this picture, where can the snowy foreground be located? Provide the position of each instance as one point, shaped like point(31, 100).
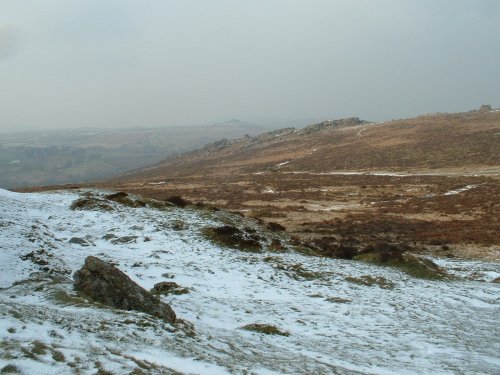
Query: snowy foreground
point(335, 325)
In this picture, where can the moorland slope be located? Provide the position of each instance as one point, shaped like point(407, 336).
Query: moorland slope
point(429, 181)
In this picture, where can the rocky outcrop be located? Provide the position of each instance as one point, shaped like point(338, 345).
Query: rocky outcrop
point(485, 108)
point(329, 124)
point(105, 283)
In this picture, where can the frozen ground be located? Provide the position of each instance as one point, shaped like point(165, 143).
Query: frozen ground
point(336, 324)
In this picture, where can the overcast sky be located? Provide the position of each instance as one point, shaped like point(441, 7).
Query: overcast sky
point(121, 63)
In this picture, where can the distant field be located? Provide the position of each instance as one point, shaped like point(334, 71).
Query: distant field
point(78, 156)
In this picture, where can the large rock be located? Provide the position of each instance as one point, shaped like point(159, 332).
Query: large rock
point(105, 283)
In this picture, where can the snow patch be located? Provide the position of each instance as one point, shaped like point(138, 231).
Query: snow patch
point(284, 163)
point(157, 183)
point(419, 326)
point(461, 190)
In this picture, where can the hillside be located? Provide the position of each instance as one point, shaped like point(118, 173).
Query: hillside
point(431, 181)
point(258, 306)
point(463, 140)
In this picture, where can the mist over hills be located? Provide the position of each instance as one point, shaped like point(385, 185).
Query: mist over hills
point(83, 155)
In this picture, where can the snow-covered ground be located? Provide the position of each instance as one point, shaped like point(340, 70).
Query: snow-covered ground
point(335, 324)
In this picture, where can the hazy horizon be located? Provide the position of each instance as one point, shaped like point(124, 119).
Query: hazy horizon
point(122, 63)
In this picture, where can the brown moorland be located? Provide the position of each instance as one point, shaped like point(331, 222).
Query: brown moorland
point(430, 182)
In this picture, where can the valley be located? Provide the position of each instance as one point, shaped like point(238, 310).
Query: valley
point(83, 155)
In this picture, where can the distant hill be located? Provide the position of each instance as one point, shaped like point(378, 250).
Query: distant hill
point(84, 155)
point(459, 140)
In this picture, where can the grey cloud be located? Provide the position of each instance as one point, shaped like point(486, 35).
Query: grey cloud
point(9, 42)
point(173, 62)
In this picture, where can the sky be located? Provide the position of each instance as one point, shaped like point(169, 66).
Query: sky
point(129, 63)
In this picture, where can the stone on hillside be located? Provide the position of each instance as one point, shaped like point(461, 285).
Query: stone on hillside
point(369, 280)
point(79, 241)
point(168, 287)
point(90, 203)
point(267, 329)
point(105, 283)
point(124, 240)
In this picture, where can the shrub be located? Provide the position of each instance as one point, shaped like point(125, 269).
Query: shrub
point(178, 201)
point(230, 236)
point(275, 227)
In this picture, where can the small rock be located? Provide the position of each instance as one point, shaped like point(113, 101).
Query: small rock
point(79, 241)
point(338, 300)
point(168, 287)
point(109, 236)
point(124, 239)
point(266, 329)
point(179, 225)
point(369, 280)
